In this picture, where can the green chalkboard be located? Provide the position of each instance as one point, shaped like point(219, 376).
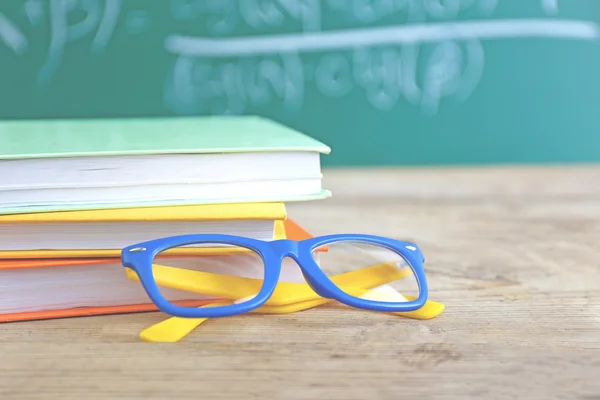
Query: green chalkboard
point(383, 82)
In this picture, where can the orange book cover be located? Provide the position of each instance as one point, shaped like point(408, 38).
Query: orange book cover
point(292, 231)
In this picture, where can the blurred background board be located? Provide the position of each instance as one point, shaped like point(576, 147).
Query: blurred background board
point(383, 82)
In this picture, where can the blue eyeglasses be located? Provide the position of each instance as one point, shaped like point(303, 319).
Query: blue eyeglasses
point(179, 273)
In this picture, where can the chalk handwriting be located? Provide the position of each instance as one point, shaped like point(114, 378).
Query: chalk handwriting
point(422, 64)
point(428, 57)
point(488, 7)
point(34, 10)
point(107, 25)
point(198, 85)
point(385, 76)
point(100, 21)
point(306, 11)
point(446, 75)
point(12, 36)
point(550, 6)
point(223, 17)
point(371, 11)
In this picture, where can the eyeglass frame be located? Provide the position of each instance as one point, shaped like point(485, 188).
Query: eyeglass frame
point(139, 258)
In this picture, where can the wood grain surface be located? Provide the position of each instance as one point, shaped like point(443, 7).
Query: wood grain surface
point(514, 253)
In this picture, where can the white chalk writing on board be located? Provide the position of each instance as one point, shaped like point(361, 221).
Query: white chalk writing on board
point(550, 6)
point(34, 9)
point(99, 23)
point(384, 75)
point(223, 17)
point(422, 64)
point(100, 20)
point(12, 36)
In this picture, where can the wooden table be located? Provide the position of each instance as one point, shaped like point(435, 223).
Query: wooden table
point(514, 253)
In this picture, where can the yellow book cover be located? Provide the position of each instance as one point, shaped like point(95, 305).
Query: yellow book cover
point(89, 278)
point(103, 233)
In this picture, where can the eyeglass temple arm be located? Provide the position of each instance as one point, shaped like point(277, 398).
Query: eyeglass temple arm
point(174, 329)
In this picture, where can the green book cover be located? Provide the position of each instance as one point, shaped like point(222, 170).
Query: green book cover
point(49, 139)
point(21, 139)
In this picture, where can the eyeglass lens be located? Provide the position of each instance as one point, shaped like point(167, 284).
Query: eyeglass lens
point(387, 268)
point(208, 271)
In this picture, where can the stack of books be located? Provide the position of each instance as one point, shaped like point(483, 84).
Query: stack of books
point(73, 193)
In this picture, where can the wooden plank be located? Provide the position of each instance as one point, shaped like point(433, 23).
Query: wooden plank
point(513, 252)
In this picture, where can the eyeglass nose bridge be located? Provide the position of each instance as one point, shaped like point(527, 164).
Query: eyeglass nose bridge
point(285, 248)
point(289, 248)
